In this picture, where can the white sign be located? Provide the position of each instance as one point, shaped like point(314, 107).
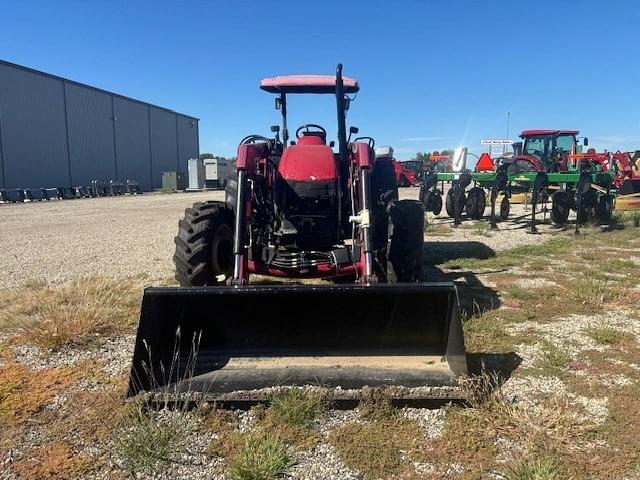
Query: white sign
point(496, 142)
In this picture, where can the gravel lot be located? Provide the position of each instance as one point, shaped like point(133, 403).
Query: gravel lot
point(122, 236)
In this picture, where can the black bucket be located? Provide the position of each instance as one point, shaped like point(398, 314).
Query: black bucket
point(219, 340)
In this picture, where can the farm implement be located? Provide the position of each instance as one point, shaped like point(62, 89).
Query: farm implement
point(547, 165)
point(297, 210)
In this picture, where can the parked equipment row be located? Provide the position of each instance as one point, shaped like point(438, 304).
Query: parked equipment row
point(98, 188)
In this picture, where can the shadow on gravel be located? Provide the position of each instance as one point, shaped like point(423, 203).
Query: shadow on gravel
point(474, 297)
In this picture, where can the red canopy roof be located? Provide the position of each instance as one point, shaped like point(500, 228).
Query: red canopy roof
point(307, 84)
point(529, 133)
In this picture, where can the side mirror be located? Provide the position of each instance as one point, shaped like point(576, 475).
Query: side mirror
point(352, 131)
point(275, 128)
point(585, 141)
point(332, 144)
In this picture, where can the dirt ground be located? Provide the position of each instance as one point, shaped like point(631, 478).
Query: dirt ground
point(551, 325)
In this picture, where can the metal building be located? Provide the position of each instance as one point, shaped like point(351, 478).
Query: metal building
point(56, 132)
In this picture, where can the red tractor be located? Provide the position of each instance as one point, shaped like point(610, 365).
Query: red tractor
point(408, 173)
point(298, 210)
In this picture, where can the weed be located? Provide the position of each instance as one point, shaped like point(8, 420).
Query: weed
point(261, 457)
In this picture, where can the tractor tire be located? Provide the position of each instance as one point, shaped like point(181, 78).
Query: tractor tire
point(505, 208)
point(204, 244)
point(476, 203)
point(450, 202)
point(604, 209)
point(560, 208)
point(406, 231)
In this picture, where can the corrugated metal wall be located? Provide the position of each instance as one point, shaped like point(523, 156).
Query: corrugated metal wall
point(91, 144)
point(187, 141)
point(132, 141)
point(34, 137)
point(164, 144)
point(56, 132)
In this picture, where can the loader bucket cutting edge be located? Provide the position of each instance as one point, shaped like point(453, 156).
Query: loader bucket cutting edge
point(247, 338)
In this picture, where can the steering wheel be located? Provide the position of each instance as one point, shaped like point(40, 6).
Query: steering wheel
point(256, 139)
point(306, 128)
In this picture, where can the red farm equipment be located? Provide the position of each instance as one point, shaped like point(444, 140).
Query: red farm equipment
point(298, 210)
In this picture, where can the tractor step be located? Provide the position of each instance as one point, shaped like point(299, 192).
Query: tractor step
point(237, 343)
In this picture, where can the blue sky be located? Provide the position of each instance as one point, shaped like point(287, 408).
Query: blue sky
point(433, 74)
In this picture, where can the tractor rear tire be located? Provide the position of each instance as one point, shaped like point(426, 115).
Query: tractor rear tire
point(476, 203)
point(560, 208)
point(406, 229)
point(204, 244)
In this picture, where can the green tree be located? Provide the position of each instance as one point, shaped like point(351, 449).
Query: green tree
point(206, 155)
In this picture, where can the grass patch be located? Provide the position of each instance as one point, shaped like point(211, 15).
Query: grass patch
point(485, 331)
point(548, 468)
point(261, 457)
point(74, 314)
point(51, 461)
point(377, 448)
point(606, 336)
point(149, 439)
point(556, 360)
point(591, 291)
point(296, 407)
point(436, 229)
point(523, 294)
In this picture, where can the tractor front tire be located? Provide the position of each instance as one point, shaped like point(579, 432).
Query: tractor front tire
point(405, 254)
point(204, 244)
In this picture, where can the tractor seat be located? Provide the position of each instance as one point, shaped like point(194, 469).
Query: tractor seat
point(312, 138)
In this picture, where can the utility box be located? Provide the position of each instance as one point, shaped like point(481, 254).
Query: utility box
point(174, 181)
point(216, 172)
point(196, 174)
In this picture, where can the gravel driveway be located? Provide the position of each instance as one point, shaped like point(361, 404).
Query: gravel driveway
point(57, 241)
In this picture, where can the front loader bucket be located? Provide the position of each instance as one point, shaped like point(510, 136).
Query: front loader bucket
point(229, 342)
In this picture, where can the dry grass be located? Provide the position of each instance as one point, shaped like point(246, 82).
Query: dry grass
point(53, 461)
point(73, 314)
point(378, 449)
point(24, 391)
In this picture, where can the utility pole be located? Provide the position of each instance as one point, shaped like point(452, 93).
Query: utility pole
point(504, 147)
